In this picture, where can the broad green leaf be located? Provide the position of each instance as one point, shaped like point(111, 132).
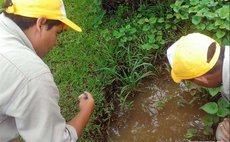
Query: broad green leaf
point(160, 33)
point(226, 25)
point(146, 46)
point(220, 34)
point(204, 2)
point(162, 42)
point(208, 120)
point(192, 9)
point(133, 30)
point(211, 27)
point(124, 39)
point(174, 27)
point(167, 26)
point(201, 26)
point(145, 28)
point(202, 12)
point(122, 30)
point(159, 38)
point(178, 15)
point(160, 20)
point(218, 22)
point(130, 38)
point(152, 20)
point(210, 108)
point(194, 2)
point(179, 2)
point(169, 16)
point(155, 46)
point(212, 3)
point(184, 16)
point(210, 15)
point(213, 91)
point(196, 20)
point(159, 28)
point(176, 8)
point(128, 26)
point(146, 20)
point(117, 34)
point(222, 112)
point(223, 103)
point(141, 21)
point(151, 38)
point(224, 11)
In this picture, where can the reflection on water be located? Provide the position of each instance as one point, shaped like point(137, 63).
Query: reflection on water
point(157, 116)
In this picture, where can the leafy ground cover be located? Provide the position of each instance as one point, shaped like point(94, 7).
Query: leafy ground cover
point(116, 50)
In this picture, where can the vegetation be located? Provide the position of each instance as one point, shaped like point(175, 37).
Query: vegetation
point(208, 16)
point(123, 44)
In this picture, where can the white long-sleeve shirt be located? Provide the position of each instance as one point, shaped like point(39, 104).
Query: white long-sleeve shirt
point(225, 74)
point(28, 94)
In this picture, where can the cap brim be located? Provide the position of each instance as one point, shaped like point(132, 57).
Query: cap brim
point(70, 24)
point(175, 78)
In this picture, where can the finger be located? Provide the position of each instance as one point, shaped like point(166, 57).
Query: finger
point(222, 140)
point(84, 96)
point(227, 124)
point(224, 131)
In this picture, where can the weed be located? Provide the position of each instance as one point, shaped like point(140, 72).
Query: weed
point(208, 16)
point(191, 133)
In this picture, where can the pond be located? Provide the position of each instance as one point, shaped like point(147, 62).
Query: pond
point(160, 112)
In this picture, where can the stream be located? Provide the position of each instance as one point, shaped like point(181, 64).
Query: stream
point(160, 112)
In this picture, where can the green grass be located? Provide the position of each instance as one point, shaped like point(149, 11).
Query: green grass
point(74, 64)
point(94, 59)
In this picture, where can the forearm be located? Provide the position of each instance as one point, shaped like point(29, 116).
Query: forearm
point(79, 121)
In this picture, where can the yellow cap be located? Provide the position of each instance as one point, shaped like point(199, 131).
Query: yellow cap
point(188, 56)
point(51, 9)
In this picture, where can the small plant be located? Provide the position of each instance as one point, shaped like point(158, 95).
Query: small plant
point(160, 104)
point(125, 34)
point(191, 133)
point(221, 108)
point(123, 103)
point(127, 70)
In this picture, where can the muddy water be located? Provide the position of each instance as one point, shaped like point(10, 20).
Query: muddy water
point(152, 121)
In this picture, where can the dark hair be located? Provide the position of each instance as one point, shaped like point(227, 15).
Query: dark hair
point(219, 63)
point(26, 22)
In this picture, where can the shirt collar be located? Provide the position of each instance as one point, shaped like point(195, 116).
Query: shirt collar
point(14, 30)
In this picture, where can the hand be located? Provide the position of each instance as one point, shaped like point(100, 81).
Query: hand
point(86, 106)
point(223, 131)
point(86, 102)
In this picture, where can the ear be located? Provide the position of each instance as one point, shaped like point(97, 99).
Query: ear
point(201, 79)
point(40, 24)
